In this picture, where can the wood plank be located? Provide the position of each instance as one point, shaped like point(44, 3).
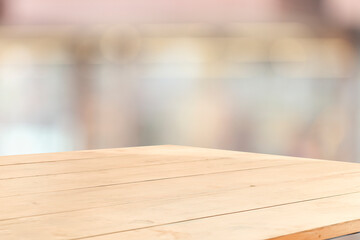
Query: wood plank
point(22, 206)
point(52, 157)
point(84, 154)
point(124, 158)
point(317, 219)
point(60, 182)
point(103, 220)
point(187, 151)
point(92, 164)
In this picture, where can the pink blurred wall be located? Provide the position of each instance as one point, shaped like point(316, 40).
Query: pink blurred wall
point(110, 11)
point(157, 11)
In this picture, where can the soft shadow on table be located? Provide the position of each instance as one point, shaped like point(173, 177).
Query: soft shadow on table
point(355, 236)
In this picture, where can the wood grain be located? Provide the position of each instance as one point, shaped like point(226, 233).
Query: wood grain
point(174, 192)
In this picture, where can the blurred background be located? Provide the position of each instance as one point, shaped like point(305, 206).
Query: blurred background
point(268, 76)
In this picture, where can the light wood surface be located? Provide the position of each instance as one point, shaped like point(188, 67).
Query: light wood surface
point(176, 193)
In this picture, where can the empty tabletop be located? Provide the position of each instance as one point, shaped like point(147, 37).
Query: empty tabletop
point(174, 192)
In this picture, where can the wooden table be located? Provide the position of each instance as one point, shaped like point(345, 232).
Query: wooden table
point(174, 192)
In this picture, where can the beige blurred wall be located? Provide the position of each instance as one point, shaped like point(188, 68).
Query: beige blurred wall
point(271, 82)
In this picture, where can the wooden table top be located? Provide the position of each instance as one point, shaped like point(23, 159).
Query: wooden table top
point(174, 192)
